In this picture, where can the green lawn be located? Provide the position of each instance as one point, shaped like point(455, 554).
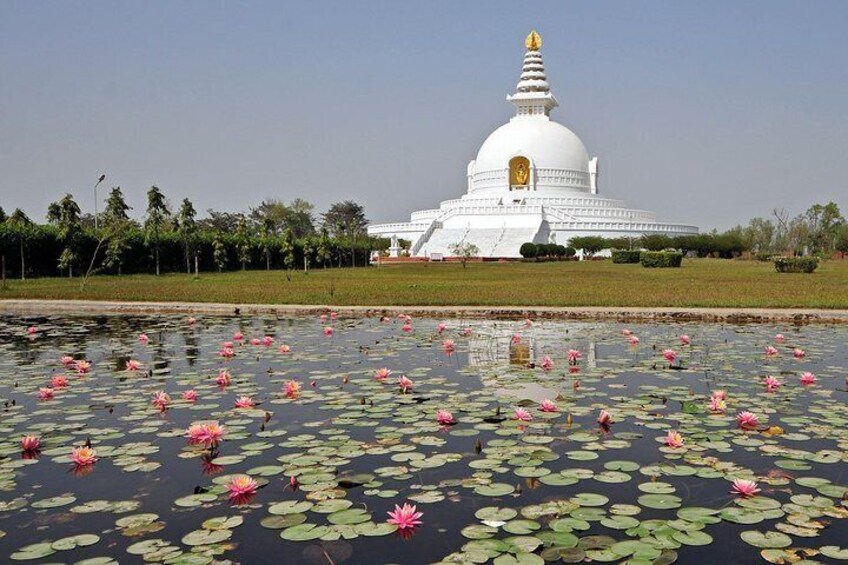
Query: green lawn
point(700, 282)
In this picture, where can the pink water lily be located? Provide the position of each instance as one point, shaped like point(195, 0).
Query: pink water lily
point(720, 394)
point(605, 418)
point(143, 339)
point(238, 336)
point(255, 341)
point(448, 345)
point(441, 327)
point(323, 318)
point(82, 366)
point(673, 439)
point(245, 402)
point(547, 405)
point(670, 355)
point(45, 393)
point(574, 356)
point(405, 384)
point(208, 434)
point(223, 378)
point(467, 332)
point(685, 340)
point(284, 348)
point(161, 400)
point(59, 381)
point(30, 443)
point(625, 331)
point(133, 365)
point(405, 517)
point(67, 360)
point(771, 383)
point(382, 374)
point(83, 456)
point(779, 338)
point(747, 420)
point(522, 415)
point(444, 417)
point(516, 339)
point(798, 353)
point(770, 350)
point(528, 322)
point(717, 405)
point(227, 352)
point(242, 486)
point(292, 388)
point(808, 378)
point(328, 331)
point(407, 328)
point(546, 363)
point(190, 395)
point(633, 340)
point(745, 488)
point(191, 320)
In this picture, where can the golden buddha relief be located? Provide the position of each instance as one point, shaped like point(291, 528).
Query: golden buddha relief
point(519, 171)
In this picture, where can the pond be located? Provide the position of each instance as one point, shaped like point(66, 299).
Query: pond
point(170, 440)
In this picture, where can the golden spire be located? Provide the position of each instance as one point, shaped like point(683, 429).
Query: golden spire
point(533, 41)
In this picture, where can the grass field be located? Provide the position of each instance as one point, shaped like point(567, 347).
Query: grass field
point(700, 282)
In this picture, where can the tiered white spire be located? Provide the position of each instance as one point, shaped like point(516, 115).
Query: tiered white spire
point(533, 98)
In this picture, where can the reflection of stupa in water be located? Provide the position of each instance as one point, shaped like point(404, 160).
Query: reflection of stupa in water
point(495, 347)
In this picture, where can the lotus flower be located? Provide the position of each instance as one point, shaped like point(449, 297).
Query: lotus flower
point(605, 418)
point(255, 341)
point(32, 330)
point(516, 339)
point(267, 341)
point(245, 402)
point(444, 417)
point(323, 318)
point(59, 381)
point(528, 322)
point(673, 439)
point(717, 405)
point(448, 345)
point(208, 434)
point(405, 384)
point(745, 488)
point(405, 517)
point(133, 365)
point(670, 355)
point(238, 336)
point(82, 366)
point(522, 415)
point(328, 331)
point(747, 420)
point(547, 406)
point(67, 360)
point(684, 339)
point(242, 486)
point(441, 327)
point(771, 383)
point(143, 339)
point(382, 374)
point(574, 356)
point(223, 378)
point(30, 443)
point(547, 363)
point(83, 456)
point(798, 353)
point(771, 350)
point(625, 331)
point(633, 340)
point(190, 395)
point(191, 320)
point(407, 328)
point(808, 378)
point(292, 388)
point(720, 394)
point(227, 352)
point(467, 332)
point(161, 400)
point(45, 393)
point(779, 338)
point(284, 348)
point(334, 315)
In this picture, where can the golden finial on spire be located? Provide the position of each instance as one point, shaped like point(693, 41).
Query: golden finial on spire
point(533, 41)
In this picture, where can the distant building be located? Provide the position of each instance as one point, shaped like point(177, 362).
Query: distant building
point(532, 180)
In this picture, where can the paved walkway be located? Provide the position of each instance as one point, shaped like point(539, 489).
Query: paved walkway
point(731, 315)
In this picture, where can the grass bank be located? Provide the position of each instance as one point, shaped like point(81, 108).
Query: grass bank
point(699, 283)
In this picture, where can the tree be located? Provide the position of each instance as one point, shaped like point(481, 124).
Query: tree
point(347, 220)
point(2, 215)
point(219, 252)
point(823, 224)
point(243, 246)
point(298, 216)
point(187, 229)
point(66, 214)
point(157, 218)
point(267, 241)
point(590, 244)
point(287, 249)
point(323, 248)
point(528, 250)
point(841, 243)
point(464, 251)
point(117, 224)
point(22, 228)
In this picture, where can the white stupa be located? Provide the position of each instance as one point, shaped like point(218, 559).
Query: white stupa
point(532, 181)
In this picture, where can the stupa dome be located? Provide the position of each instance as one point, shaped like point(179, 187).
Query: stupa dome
point(547, 144)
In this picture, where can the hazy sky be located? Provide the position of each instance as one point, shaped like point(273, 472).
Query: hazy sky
point(707, 113)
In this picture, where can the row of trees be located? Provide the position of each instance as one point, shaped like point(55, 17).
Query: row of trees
point(271, 235)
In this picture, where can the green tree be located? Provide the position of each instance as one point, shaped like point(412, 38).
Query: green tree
point(267, 241)
point(22, 230)
point(158, 216)
point(66, 214)
point(219, 252)
point(2, 215)
point(590, 244)
point(841, 244)
point(323, 248)
point(243, 244)
point(187, 229)
point(464, 251)
point(347, 220)
point(116, 222)
point(287, 250)
point(823, 224)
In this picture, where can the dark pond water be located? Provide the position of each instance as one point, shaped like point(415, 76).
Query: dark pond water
point(492, 489)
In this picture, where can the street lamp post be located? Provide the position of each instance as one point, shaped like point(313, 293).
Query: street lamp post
point(101, 179)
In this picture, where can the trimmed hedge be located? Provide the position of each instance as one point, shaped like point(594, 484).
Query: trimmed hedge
point(796, 264)
point(528, 250)
point(625, 256)
point(661, 259)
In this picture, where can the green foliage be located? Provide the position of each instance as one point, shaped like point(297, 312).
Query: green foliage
point(661, 259)
point(590, 244)
point(796, 264)
point(625, 256)
point(464, 251)
point(528, 250)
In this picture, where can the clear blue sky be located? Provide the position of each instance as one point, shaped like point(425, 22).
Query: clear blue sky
point(707, 113)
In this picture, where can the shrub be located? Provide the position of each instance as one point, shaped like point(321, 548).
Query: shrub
point(570, 252)
point(766, 257)
point(660, 259)
point(625, 256)
point(795, 264)
point(528, 250)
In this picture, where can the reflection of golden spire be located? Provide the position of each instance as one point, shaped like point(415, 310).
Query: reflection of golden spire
point(533, 41)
